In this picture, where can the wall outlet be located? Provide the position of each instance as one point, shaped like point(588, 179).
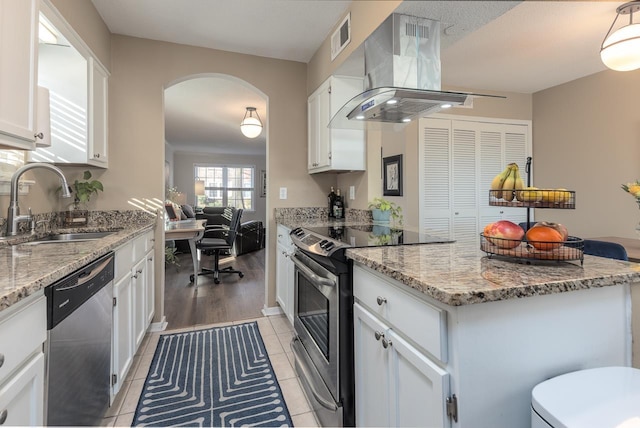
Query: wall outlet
point(283, 193)
point(352, 192)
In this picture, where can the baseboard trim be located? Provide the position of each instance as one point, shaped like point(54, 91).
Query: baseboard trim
point(158, 326)
point(271, 311)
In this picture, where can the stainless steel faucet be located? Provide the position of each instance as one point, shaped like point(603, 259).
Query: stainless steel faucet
point(14, 217)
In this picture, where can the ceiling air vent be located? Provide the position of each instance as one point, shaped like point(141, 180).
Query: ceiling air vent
point(341, 37)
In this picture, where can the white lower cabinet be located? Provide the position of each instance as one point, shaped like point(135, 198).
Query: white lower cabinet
point(485, 358)
point(23, 330)
point(133, 293)
point(396, 384)
point(21, 398)
point(284, 273)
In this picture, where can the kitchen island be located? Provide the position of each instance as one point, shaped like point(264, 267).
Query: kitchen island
point(446, 336)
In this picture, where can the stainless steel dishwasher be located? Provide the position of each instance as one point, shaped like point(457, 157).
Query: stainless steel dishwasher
point(78, 348)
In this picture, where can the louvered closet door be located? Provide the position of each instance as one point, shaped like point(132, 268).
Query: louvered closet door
point(465, 195)
point(458, 160)
point(435, 183)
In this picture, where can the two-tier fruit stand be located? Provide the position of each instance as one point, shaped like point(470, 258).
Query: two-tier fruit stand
point(571, 249)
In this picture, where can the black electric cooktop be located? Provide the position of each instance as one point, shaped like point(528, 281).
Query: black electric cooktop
point(375, 235)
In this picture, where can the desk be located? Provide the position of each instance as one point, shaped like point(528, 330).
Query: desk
point(631, 245)
point(193, 230)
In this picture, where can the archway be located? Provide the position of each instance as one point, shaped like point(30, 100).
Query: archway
point(202, 114)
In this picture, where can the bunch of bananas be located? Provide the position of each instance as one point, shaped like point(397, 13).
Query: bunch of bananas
point(509, 182)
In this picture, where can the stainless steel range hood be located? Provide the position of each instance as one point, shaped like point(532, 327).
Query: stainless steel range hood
point(402, 75)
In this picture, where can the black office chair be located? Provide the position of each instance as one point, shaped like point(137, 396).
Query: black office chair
point(214, 246)
point(610, 250)
point(524, 227)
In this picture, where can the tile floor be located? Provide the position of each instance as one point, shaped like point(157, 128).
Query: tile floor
point(276, 333)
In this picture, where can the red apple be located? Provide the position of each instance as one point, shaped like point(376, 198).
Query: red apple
point(557, 226)
point(507, 234)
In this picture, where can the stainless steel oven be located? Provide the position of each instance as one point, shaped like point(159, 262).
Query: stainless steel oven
point(323, 340)
point(323, 318)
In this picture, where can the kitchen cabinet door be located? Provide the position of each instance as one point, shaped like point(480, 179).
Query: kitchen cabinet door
point(373, 388)
point(98, 91)
point(18, 73)
point(78, 84)
point(123, 341)
point(139, 281)
point(149, 288)
point(285, 273)
point(333, 149)
point(22, 397)
point(418, 386)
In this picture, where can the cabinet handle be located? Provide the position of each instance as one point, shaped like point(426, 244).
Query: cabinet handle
point(386, 343)
point(97, 155)
point(456, 213)
point(139, 270)
point(150, 259)
point(381, 300)
point(1, 359)
point(378, 335)
point(39, 135)
point(135, 276)
point(3, 416)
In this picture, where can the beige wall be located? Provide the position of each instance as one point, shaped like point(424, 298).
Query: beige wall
point(586, 137)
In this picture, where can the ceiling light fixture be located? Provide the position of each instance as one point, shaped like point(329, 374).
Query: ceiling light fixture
point(620, 50)
point(251, 126)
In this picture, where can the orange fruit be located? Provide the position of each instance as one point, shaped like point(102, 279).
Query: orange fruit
point(544, 238)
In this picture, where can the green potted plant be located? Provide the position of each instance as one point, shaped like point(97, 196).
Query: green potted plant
point(383, 210)
point(82, 191)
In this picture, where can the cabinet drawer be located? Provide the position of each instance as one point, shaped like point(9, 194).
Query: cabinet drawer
point(139, 248)
point(283, 236)
point(415, 319)
point(124, 260)
point(149, 240)
point(22, 333)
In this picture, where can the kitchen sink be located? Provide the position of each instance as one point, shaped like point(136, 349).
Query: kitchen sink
point(69, 237)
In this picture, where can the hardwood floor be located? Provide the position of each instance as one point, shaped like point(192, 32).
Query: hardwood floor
point(234, 299)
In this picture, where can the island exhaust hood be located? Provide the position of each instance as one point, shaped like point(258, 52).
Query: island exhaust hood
point(402, 75)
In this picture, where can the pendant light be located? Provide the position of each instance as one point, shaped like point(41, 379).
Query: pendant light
point(251, 126)
point(620, 50)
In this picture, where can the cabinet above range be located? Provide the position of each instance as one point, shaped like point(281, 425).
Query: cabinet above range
point(334, 150)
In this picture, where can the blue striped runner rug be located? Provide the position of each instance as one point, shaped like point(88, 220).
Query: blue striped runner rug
point(220, 376)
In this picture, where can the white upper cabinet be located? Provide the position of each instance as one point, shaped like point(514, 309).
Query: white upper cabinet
point(78, 91)
point(18, 73)
point(334, 149)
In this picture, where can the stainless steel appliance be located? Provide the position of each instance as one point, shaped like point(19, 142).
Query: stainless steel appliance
point(78, 347)
point(323, 312)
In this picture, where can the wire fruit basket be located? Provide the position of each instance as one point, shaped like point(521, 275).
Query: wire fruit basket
point(533, 198)
point(571, 249)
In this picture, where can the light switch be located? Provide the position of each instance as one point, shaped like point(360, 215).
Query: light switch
point(352, 192)
point(283, 193)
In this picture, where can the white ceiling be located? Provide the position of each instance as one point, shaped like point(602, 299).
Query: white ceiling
point(486, 45)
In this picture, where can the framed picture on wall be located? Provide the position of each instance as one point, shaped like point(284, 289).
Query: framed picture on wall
point(392, 176)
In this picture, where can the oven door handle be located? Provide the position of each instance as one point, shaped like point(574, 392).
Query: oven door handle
point(329, 405)
point(311, 274)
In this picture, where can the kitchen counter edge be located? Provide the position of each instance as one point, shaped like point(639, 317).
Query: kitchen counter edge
point(457, 275)
point(24, 283)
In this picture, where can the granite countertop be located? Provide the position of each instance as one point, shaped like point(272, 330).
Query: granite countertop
point(26, 269)
point(456, 274)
